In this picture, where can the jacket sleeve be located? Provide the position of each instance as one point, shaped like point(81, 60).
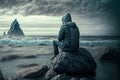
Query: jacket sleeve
point(61, 33)
point(78, 33)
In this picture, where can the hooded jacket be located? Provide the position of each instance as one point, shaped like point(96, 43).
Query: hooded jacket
point(69, 34)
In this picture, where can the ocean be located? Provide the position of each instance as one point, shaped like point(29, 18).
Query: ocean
point(41, 48)
point(47, 40)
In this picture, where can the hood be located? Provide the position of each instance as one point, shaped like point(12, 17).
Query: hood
point(66, 18)
point(71, 24)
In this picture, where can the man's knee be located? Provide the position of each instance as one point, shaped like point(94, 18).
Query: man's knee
point(55, 42)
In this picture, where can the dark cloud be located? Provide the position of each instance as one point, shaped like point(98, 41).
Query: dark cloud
point(58, 7)
point(108, 9)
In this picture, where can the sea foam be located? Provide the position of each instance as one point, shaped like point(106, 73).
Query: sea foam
point(39, 41)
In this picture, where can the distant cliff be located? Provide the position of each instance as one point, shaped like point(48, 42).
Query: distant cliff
point(15, 30)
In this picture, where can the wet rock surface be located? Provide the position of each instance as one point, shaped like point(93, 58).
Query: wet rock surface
point(75, 63)
point(30, 73)
point(47, 71)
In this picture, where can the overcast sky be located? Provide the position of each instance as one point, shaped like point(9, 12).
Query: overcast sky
point(57, 7)
point(94, 17)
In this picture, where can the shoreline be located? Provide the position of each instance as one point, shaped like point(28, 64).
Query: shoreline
point(39, 55)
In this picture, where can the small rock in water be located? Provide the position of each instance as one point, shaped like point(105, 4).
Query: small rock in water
point(29, 56)
point(31, 73)
point(27, 65)
point(9, 57)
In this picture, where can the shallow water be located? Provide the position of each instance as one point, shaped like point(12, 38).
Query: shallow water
point(10, 68)
point(105, 70)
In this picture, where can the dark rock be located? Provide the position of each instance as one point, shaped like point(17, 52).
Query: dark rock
point(65, 66)
point(1, 76)
point(74, 63)
point(111, 53)
point(31, 73)
point(15, 30)
point(1, 46)
point(27, 65)
point(10, 57)
point(50, 74)
point(16, 56)
point(61, 77)
point(29, 56)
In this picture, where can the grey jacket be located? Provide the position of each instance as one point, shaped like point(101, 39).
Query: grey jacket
point(69, 34)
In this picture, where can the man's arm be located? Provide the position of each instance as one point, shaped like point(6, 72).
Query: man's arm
point(61, 34)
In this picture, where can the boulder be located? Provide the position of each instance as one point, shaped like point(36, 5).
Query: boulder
point(15, 30)
point(74, 63)
point(111, 53)
point(1, 75)
point(50, 73)
point(65, 66)
point(31, 73)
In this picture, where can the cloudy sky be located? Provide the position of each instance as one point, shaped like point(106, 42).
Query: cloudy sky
point(43, 17)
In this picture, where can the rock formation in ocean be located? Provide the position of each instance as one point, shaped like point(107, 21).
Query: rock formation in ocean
point(15, 30)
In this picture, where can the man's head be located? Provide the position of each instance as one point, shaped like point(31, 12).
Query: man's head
point(66, 18)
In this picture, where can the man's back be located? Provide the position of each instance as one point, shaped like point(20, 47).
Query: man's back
point(69, 36)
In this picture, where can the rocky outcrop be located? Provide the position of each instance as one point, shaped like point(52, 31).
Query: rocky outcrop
point(15, 30)
point(80, 62)
point(31, 73)
point(75, 63)
point(111, 53)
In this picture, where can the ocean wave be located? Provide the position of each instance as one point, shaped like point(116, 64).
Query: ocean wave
point(39, 41)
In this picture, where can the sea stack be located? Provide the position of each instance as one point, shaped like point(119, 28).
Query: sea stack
point(15, 30)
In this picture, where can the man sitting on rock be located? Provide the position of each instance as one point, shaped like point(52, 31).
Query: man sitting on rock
point(68, 37)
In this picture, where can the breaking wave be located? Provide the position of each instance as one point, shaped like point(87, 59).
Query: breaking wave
point(37, 42)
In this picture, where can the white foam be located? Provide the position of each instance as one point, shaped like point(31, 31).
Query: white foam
point(31, 41)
